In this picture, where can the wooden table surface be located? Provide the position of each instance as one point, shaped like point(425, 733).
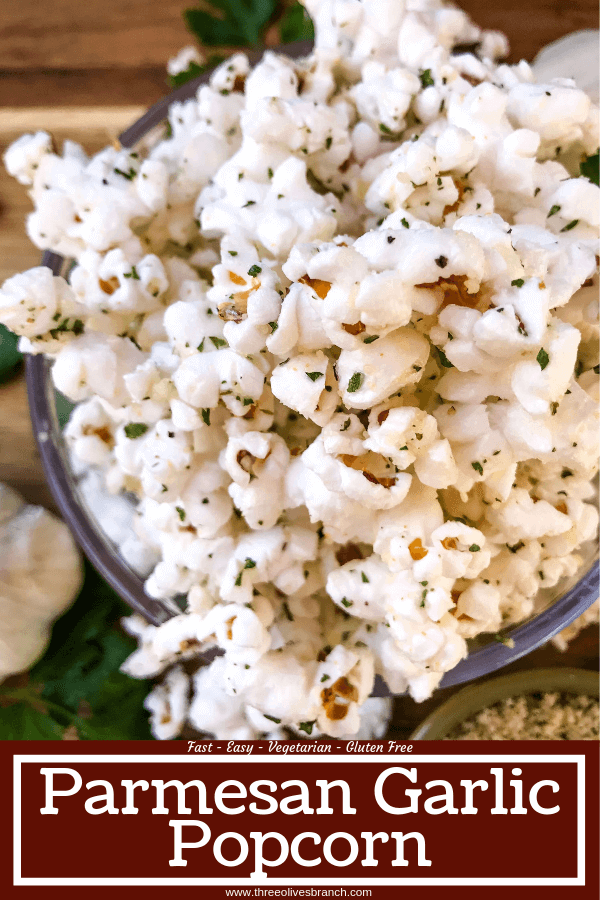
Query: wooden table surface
point(87, 70)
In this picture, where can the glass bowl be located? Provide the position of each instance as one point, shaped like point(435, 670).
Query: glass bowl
point(557, 609)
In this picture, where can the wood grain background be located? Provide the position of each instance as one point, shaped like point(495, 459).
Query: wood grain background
point(101, 52)
point(86, 69)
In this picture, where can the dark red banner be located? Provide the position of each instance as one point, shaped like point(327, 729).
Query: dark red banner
point(263, 815)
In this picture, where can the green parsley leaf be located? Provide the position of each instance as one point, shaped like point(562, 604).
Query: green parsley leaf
point(307, 727)
point(314, 375)
point(218, 342)
point(570, 225)
point(355, 382)
point(478, 467)
point(254, 271)
point(64, 326)
point(9, 355)
point(180, 513)
point(589, 168)
point(129, 175)
point(474, 548)
point(543, 358)
point(234, 23)
point(518, 282)
point(192, 71)
point(365, 578)
point(248, 564)
point(370, 339)
point(64, 408)
point(502, 639)
point(206, 416)
point(20, 721)
point(553, 210)
point(296, 25)
point(272, 719)
point(444, 360)
point(425, 78)
point(135, 430)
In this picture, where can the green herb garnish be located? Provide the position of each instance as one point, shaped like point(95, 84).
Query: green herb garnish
point(425, 78)
point(355, 382)
point(135, 430)
point(543, 359)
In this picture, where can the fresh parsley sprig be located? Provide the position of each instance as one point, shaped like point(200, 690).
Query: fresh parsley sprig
point(244, 23)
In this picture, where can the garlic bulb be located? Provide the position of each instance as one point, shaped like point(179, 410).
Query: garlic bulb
point(574, 56)
point(41, 573)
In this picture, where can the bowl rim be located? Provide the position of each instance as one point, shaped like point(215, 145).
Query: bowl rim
point(464, 704)
point(524, 637)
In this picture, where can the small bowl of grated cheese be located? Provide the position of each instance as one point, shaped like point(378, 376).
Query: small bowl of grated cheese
point(536, 705)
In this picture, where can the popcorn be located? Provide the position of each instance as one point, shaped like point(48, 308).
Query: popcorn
point(38, 303)
point(315, 400)
point(213, 710)
point(371, 372)
point(556, 111)
point(167, 704)
point(116, 283)
point(23, 156)
point(90, 433)
point(184, 59)
point(95, 364)
point(257, 464)
point(333, 345)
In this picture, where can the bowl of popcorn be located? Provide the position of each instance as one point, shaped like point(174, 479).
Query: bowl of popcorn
point(328, 322)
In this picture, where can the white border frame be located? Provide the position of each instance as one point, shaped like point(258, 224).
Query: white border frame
point(577, 881)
